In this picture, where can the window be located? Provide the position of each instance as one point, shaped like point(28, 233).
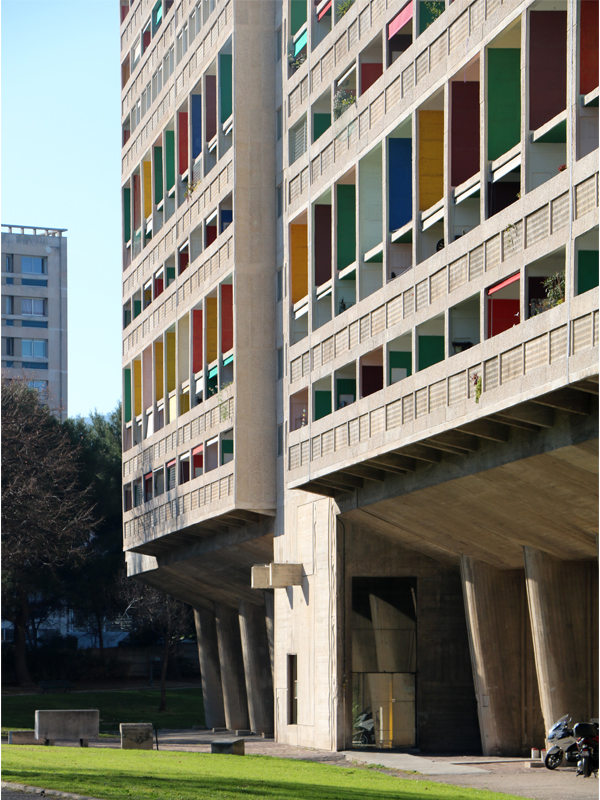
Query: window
point(136, 52)
point(184, 469)
point(298, 141)
point(40, 386)
point(279, 123)
point(9, 346)
point(127, 498)
point(278, 44)
point(279, 441)
point(8, 304)
point(182, 43)
point(34, 348)
point(279, 363)
point(33, 307)
point(279, 201)
point(292, 689)
point(159, 482)
point(169, 63)
point(138, 496)
point(33, 266)
point(171, 475)
point(8, 263)
point(279, 285)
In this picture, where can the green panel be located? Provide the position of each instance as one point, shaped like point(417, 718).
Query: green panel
point(345, 386)
point(301, 43)
point(127, 214)
point(322, 404)
point(400, 360)
point(170, 275)
point(504, 100)
point(170, 158)
point(297, 15)
point(227, 445)
point(137, 308)
point(226, 84)
point(587, 270)
point(429, 11)
point(431, 350)
point(127, 395)
point(556, 135)
point(158, 175)
point(228, 360)
point(320, 124)
point(346, 225)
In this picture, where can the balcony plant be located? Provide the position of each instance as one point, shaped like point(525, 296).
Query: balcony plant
point(296, 62)
point(554, 286)
point(343, 99)
point(344, 7)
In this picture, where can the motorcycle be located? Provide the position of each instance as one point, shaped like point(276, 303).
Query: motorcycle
point(586, 734)
point(564, 744)
point(365, 730)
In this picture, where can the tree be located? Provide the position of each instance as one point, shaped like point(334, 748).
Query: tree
point(47, 519)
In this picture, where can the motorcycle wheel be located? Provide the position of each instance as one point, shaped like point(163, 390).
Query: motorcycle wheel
point(586, 767)
point(361, 740)
point(553, 760)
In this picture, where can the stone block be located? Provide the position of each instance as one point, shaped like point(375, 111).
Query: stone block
point(25, 737)
point(232, 747)
point(67, 724)
point(136, 735)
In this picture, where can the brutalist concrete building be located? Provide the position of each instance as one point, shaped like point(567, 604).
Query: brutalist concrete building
point(360, 360)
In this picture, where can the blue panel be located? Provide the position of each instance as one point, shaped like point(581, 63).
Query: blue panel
point(31, 323)
point(196, 125)
point(226, 218)
point(400, 183)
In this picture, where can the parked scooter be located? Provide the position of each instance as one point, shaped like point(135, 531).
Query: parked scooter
point(365, 730)
point(586, 734)
point(564, 744)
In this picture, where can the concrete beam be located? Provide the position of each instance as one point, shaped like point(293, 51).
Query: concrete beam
point(231, 660)
point(421, 452)
point(342, 481)
point(364, 471)
point(533, 413)
point(210, 670)
point(487, 429)
point(567, 400)
point(257, 667)
point(454, 442)
point(401, 463)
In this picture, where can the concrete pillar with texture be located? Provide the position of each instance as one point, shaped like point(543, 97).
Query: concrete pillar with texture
point(208, 652)
point(232, 668)
point(563, 608)
point(257, 666)
point(508, 704)
point(270, 622)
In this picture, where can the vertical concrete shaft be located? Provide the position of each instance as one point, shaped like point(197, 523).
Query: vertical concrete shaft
point(510, 719)
point(257, 667)
point(270, 622)
point(563, 599)
point(208, 652)
point(232, 668)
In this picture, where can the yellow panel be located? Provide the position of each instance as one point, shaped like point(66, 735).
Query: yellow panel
point(147, 189)
point(299, 247)
point(431, 158)
point(158, 369)
point(184, 403)
point(211, 329)
point(172, 409)
point(137, 387)
point(170, 361)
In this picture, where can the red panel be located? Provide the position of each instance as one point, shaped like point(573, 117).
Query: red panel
point(372, 380)
point(159, 286)
point(183, 142)
point(464, 131)
point(502, 315)
point(211, 234)
point(547, 66)
point(400, 20)
point(198, 450)
point(146, 40)
point(588, 46)
point(368, 75)
point(211, 107)
point(184, 260)
point(197, 341)
point(324, 10)
point(226, 317)
point(322, 244)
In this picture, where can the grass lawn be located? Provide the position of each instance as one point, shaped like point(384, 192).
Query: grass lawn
point(143, 775)
point(185, 708)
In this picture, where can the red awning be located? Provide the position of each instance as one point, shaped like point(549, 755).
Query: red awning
point(148, 475)
point(197, 450)
point(400, 20)
point(171, 463)
point(505, 282)
point(324, 10)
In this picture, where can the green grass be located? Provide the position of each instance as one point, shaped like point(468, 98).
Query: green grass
point(143, 775)
point(185, 708)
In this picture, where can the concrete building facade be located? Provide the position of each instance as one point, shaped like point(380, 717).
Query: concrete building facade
point(34, 310)
point(360, 360)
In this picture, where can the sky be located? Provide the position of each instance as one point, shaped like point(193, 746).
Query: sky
point(61, 157)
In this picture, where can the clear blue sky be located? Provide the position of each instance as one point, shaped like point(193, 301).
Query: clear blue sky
point(61, 168)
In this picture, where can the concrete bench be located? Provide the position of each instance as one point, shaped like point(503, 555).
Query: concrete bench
point(136, 735)
point(25, 737)
point(231, 747)
point(81, 723)
point(52, 686)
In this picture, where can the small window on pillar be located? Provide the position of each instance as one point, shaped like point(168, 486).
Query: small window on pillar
point(159, 283)
point(184, 469)
point(279, 441)
point(211, 229)
point(198, 461)
point(184, 257)
point(292, 689)
point(147, 487)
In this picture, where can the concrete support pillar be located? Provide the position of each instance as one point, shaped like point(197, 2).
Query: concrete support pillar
point(232, 668)
point(257, 667)
point(508, 705)
point(208, 652)
point(563, 607)
point(270, 622)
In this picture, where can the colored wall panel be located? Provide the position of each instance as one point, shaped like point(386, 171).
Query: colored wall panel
point(211, 107)
point(346, 225)
point(196, 125)
point(400, 182)
point(297, 15)
point(147, 189)
point(429, 11)
point(464, 131)
point(322, 404)
point(400, 360)
point(183, 142)
point(372, 380)
point(431, 350)
point(322, 248)
point(126, 215)
point(547, 66)
point(369, 73)
point(127, 391)
point(226, 218)
point(321, 122)
point(504, 100)
point(137, 202)
point(226, 85)
point(197, 355)
point(159, 370)
point(158, 175)
point(587, 270)
point(226, 317)
point(588, 46)
point(137, 387)
point(299, 248)
point(170, 158)
point(502, 315)
point(211, 233)
point(344, 386)
point(431, 158)
point(171, 360)
point(211, 329)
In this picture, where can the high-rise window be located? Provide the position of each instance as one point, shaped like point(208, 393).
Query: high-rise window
point(33, 265)
point(8, 263)
point(34, 348)
point(33, 307)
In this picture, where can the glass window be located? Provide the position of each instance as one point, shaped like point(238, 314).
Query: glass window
point(279, 363)
point(33, 265)
point(33, 307)
point(8, 263)
point(8, 304)
point(9, 346)
point(41, 386)
point(34, 348)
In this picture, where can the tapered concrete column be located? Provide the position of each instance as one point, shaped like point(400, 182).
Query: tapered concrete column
point(563, 603)
point(257, 667)
point(232, 668)
point(208, 652)
point(270, 622)
point(508, 705)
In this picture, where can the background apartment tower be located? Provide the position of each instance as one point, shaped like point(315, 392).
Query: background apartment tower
point(34, 310)
point(394, 208)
